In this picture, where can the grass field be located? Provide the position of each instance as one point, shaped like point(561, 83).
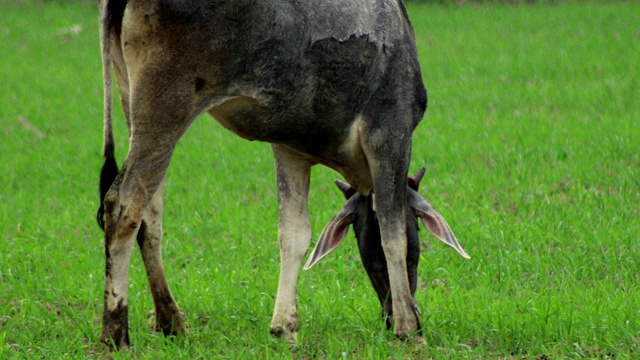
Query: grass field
point(532, 149)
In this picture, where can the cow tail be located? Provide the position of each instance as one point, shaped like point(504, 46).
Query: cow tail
point(110, 167)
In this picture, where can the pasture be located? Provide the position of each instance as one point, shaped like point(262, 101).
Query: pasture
point(532, 148)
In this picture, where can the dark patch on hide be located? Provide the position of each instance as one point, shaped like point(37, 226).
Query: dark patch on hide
point(344, 71)
point(115, 326)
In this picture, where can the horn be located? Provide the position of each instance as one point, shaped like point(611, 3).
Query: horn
point(414, 181)
point(346, 189)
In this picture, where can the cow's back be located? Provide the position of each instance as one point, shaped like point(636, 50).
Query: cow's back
point(294, 72)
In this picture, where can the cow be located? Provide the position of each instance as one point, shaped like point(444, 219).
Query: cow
point(331, 82)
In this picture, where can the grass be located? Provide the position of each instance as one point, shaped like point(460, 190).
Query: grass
point(531, 147)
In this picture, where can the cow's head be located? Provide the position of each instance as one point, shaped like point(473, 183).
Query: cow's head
point(359, 212)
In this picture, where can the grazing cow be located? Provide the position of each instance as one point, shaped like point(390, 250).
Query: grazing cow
point(332, 82)
point(359, 212)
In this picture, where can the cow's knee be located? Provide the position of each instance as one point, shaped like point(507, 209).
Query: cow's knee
point(111, 207)
point(123, 212)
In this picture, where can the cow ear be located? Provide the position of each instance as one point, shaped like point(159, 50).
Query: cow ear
point(334, 232)
point(414, 181)
point(434, 222)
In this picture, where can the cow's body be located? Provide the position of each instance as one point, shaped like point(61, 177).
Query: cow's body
point(326, 82)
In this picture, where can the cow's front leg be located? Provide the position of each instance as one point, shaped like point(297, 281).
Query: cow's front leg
point(392, 218)
point(390, 161)
point(294, 233)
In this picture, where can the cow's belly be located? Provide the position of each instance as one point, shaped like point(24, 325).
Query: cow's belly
point(293, 122)
point(239, 115)
point(334, 142)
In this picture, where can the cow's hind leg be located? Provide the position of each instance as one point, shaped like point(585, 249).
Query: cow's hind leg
point(294, 234)
point(118, 253)
point(125, 206)
point(168, 317)
point(158, 119)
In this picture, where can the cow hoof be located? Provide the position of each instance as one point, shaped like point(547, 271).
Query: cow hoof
point(281, 332)
point(112, 344)
point(172, 325)
point(404, 331)
point(115, 328)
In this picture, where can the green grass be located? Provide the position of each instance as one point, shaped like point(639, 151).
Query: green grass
point(531, 144)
